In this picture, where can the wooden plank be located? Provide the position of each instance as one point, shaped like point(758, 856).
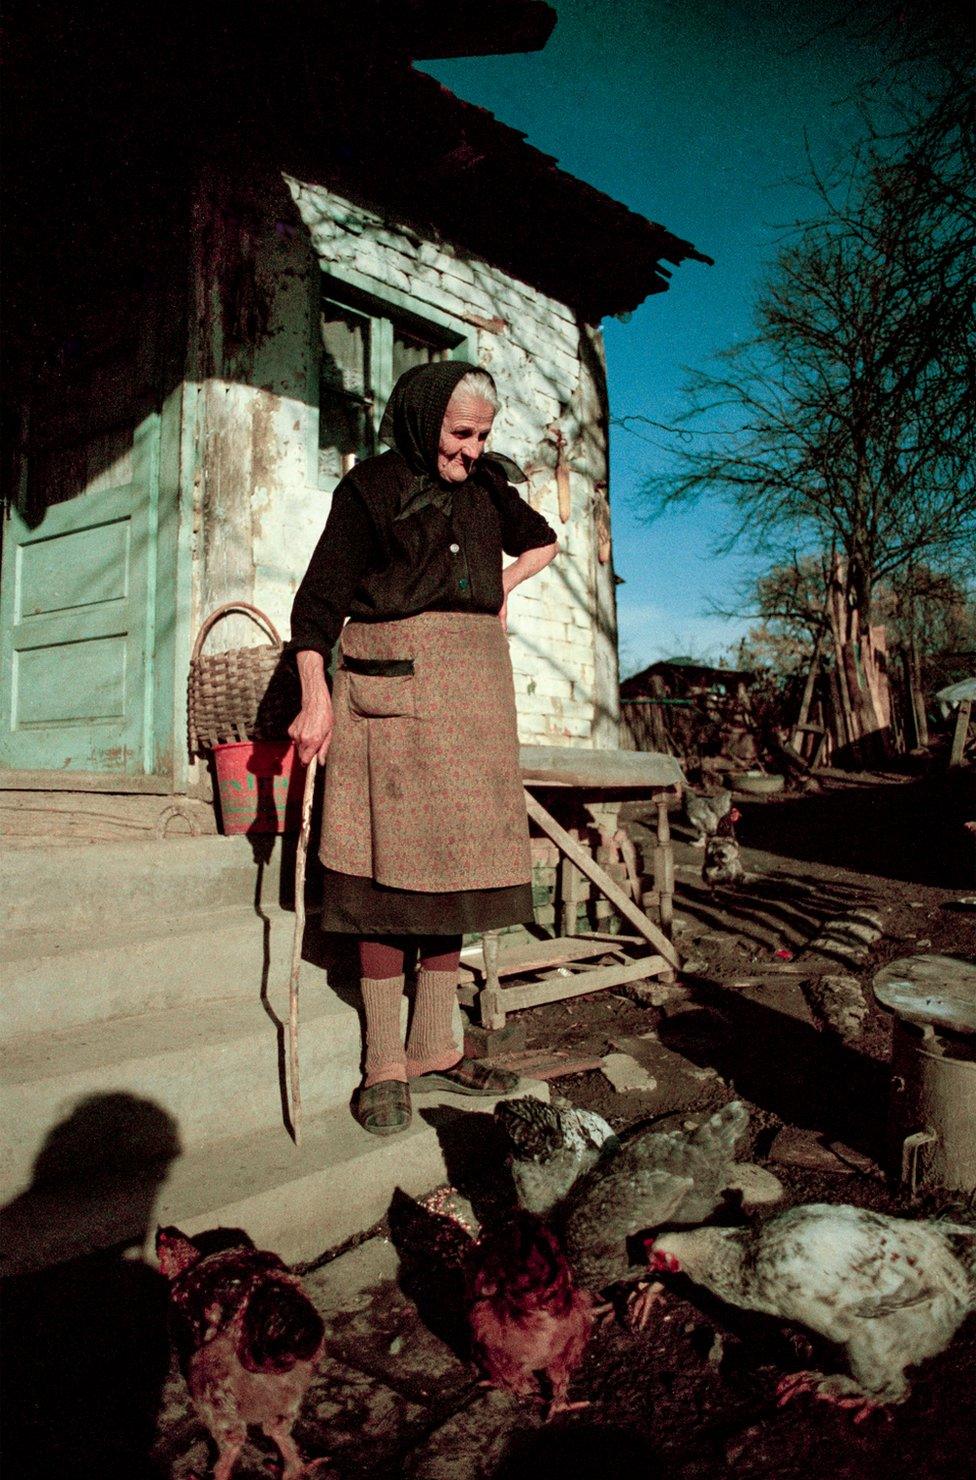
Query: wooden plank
point(608, 935)
point(801, 720)
point(539, 1065)
point(569, 766)
point(587, 865)
point(540, 954)
point(960, 732)
point(556, 988)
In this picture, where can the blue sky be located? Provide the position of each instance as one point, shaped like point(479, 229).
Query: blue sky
point(697, 115)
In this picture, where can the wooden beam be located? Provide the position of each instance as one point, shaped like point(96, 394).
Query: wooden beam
point(556, 988)
point(587, 865)
point(539, 954)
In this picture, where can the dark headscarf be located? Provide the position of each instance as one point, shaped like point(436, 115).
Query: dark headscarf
point(412, 424)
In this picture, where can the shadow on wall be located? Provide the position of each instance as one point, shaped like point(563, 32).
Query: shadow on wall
point(85, 1348)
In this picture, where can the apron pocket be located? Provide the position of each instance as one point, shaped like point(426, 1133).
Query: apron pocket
point(372, 696)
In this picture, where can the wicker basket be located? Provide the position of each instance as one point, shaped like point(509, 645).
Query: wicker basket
point(243, 694)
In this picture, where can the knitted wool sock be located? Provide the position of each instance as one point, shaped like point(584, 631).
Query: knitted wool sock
point(430, 1042)
point(384, 1046)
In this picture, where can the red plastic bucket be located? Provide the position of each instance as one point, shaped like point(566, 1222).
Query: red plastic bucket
point(260, 784)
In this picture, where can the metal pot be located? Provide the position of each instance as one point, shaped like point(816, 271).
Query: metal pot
point(932, 1110)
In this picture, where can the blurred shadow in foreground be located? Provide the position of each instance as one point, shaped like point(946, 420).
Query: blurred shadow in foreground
point(85, 1345)
point(579, 1451)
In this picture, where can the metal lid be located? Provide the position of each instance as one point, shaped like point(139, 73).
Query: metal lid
point(940, 990)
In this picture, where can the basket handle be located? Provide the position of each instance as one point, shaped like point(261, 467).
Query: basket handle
point(221, 611)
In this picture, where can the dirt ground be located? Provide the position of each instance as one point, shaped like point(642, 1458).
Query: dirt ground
point(693, 1396)
point(697, 1388)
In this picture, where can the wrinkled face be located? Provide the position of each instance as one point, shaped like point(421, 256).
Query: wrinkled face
point(464, 431)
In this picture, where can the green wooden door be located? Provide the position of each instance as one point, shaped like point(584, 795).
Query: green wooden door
point(79, 598)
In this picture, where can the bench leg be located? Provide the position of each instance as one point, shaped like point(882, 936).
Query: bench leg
point(664, 873)
point(569, 896)
point(490, 997)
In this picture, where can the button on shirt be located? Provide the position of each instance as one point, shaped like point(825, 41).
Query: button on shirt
point(370, 565)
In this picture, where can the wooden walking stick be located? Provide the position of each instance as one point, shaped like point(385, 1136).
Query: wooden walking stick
point(296, 951)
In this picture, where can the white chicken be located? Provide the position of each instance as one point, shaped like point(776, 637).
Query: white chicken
point(889, 1290)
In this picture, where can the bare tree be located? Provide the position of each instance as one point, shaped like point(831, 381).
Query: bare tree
point(847, 424)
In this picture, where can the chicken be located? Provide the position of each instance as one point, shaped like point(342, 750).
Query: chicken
point(248, 1338)
point(527, 1320)
point(722, 864)
point(552, 1146)
point(655, 1178)
point(889, 1290)
point(705, 812)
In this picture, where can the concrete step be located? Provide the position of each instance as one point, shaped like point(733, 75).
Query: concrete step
point(298, 1201)
point(216, 1068)
point(48, 890)
point(76, 975)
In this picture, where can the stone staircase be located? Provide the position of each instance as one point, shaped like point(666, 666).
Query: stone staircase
point(145, 1004)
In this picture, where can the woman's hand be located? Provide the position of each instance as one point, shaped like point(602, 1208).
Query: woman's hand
point(311, 729)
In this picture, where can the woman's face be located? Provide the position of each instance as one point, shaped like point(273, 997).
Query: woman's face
point(464, 431)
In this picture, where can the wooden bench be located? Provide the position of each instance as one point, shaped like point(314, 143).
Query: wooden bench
point(606, 774)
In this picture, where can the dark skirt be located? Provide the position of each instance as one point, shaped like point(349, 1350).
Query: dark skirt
point(354, 905)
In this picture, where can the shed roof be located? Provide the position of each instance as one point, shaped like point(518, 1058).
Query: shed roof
point(343, 107)
point(419, 153)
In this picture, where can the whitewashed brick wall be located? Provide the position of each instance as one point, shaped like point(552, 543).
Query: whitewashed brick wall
point(535, 359)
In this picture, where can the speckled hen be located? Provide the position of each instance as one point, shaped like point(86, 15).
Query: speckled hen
point(889, 1290)
point(248, 1338)
point(552, 1146)
point(657, 1178)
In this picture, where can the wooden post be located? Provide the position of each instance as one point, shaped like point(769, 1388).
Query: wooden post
point(802, 717)
point(490, 997)
point(296, 951)
point(569, 894)
point(659, 729)
point(916, 696)
point(664, 874)
point(960, 732)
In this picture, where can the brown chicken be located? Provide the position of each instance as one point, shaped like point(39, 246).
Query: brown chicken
point(248, 1338)
point(527, 1320)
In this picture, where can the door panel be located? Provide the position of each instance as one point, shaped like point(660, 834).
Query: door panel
point(77, 612)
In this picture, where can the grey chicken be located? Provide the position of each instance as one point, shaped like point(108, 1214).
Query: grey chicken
point(552, 1146)
point(705, 812)
point(722, 863)
point(655, 1178)
point(889, 1290)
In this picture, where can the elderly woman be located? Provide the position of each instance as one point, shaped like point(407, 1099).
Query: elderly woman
point(424, 832)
